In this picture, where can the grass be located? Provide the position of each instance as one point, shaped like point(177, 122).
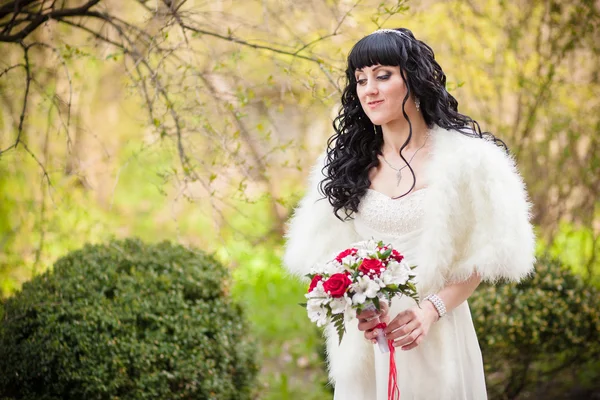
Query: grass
point(289, 343)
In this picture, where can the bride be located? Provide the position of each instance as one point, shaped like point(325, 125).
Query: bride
point(404, 166)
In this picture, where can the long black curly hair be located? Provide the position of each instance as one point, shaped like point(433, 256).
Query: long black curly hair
point(354, 147)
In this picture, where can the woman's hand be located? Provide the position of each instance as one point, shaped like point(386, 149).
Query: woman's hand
point(367, 320)
point(410, 327)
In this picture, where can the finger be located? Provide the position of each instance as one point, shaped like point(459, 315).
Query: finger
point(415, 343)
point(384, 318)
point(372, 334)
point(408, 339)
point(368, 314)
point(401, 319)
point(384, 310)
point(368, 325)
point(384, 307)
point(404, 330)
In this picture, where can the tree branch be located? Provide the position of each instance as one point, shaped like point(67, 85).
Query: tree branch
point(41, 18)
point(14, 7)
point(252, 45)
point(26, 95)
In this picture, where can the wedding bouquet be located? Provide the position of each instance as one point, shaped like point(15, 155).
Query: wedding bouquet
point(357, 279)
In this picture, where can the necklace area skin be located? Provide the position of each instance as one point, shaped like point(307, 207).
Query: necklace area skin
point(399, 170)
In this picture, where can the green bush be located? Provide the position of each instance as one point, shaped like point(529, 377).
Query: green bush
point(127, 321)
point(531, 332)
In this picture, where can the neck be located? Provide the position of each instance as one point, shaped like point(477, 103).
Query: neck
point(395, 134)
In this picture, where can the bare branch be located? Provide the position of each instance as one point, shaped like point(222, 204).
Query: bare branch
point(158, 85)
point(95, 34)
point(11, 68)
point(25, 95)
point(59, 100)
point(14, 7)
point(252, 45)
point(41, 18)
point(46, 176)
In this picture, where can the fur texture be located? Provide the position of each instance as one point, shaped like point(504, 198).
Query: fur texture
point(476, 219)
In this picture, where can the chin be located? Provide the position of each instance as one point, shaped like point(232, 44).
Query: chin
point(379, 121)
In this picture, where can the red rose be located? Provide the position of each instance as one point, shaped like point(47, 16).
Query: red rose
point(371, 266)
point(313, 283)
point(348, 252)
point(397, 256)
point(337, 284)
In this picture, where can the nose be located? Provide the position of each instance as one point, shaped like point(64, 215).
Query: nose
point(371, 88)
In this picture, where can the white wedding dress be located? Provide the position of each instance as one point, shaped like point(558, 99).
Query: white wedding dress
point(448, 363)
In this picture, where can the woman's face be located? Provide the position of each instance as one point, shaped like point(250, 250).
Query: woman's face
point(381, 90)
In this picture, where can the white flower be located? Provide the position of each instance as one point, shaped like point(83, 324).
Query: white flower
point(363, 253)
point(368, 247)
point(317, 313)
point(319, 294)
point(338, 305)
point(332, 267)
point(379, 282)
point(371, 245)
point(349, 259)
point(396, 273)
point(364, 288)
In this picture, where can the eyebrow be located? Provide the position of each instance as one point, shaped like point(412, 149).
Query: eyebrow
point(374, 68)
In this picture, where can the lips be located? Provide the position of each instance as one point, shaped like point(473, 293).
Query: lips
point(373, 104)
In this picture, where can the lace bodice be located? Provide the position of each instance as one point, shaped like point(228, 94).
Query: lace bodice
point(379, 213)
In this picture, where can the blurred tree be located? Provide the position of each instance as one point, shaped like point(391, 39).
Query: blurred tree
point(235, 86)
point(232, 86)
point(538, 87)
point(151, 60)
point(528, 72)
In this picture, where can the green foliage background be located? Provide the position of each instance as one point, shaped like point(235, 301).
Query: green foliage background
point(253, 120)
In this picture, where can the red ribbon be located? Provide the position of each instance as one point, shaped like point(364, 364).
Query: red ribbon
point(393, 390)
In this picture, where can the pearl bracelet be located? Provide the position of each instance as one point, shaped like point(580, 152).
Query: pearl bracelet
point(437, 303)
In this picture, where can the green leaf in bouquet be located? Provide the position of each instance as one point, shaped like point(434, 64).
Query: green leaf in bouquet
point(415, 297)
point(303, 304)
point(386, 254)
point(376, 303)
point(338, 323)
point(389, 296)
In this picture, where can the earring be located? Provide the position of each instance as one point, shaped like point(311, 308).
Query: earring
point(418, 104)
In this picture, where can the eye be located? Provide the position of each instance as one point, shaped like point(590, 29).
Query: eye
point(384, 77)
point(361, 82)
